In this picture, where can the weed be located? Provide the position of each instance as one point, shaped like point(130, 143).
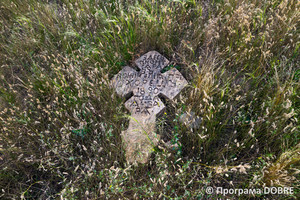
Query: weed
point(60, 121)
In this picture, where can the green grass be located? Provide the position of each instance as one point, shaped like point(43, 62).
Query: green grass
point(60, 121)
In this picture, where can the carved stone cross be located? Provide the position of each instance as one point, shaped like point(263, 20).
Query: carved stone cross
point(145, 85)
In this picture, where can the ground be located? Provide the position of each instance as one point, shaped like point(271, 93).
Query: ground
point(61, 122)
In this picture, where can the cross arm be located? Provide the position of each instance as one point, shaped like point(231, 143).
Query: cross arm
point(124, 80)
point(175, 83)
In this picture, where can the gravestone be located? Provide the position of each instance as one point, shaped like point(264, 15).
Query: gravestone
point(145, 105)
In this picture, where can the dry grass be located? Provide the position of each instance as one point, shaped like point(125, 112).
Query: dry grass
point(60, 122)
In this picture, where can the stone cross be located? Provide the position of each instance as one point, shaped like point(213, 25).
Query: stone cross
point(145, 86)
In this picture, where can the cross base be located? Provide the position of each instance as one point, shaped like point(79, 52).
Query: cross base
point(140, 139)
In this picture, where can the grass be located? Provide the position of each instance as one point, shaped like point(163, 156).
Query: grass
point(60, 122)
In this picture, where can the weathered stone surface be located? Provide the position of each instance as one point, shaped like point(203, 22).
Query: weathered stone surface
point(190, 120)
point(145, 85)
